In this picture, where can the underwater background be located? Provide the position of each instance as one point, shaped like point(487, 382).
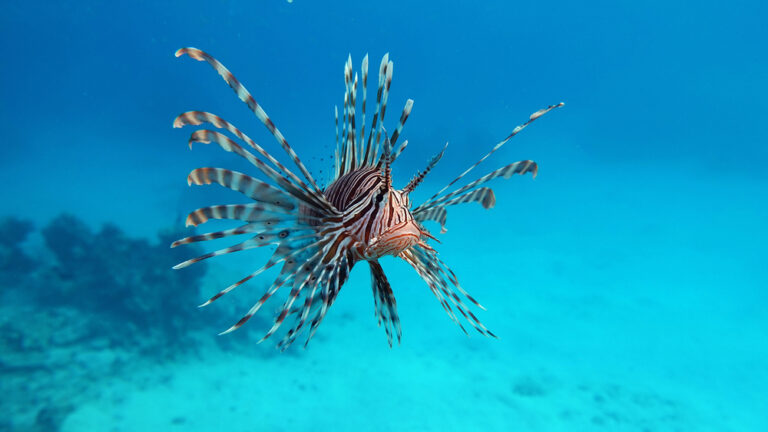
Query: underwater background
point(627, 281)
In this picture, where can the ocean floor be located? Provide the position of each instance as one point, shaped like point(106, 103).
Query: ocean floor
point(622, 304)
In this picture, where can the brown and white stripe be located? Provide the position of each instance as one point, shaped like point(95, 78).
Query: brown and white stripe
point(320, 234)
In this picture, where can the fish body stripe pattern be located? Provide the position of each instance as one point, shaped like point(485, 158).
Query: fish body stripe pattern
point(351, 186)
point(319, 234)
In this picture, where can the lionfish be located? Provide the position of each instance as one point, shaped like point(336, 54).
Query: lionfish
point(319, 234)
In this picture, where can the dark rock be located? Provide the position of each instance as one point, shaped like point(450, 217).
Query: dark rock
point(15, 264)
point(14, 231)
point(50, 418)
point(127, 282)
point(87, 306)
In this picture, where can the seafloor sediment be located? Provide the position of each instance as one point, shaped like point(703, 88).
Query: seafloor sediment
point(80, 308)
point(97, 333)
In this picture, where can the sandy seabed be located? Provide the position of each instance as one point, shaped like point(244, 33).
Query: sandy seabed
point(621, 305)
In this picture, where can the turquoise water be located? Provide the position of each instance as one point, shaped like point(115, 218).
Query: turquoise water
point(626, 282)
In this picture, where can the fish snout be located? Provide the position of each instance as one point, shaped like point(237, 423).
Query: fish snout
point(394, 241)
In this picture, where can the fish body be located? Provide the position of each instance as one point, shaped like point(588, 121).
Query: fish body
point(319, 234)
point(378, 216)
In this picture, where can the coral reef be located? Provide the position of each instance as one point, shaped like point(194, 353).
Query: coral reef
point(126, 283)
point(569, 404)
point(85, 305)
point(15, 264)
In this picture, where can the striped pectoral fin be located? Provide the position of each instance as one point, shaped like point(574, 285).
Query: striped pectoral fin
point(455, 281)
point(438, 272)
point(430, 269)
point(309, 274)
point(300, 264)
point(253, 188)
point(432, 283)
point(199, 117)
point(314, 199)
point(436, 211)
point(515, 131)
point(423, 273)
point(385, 303)
point(259, 240)
point(265, 214)
point(310, 300)
point(337, 277)
point(285, 253)
point(291, 269)
point(483, 195)
point(485, 198)
point(245, 96)
point(205, 136)
point(279, 281)
point(303, 311)
point(439, 213)
point(436, 214)
point(243, 229)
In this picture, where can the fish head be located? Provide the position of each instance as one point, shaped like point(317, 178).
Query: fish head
point(397, 230)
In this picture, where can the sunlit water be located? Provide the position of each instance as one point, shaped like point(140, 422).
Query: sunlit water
point(626, 281)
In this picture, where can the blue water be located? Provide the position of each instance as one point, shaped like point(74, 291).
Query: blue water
point(627, 281)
